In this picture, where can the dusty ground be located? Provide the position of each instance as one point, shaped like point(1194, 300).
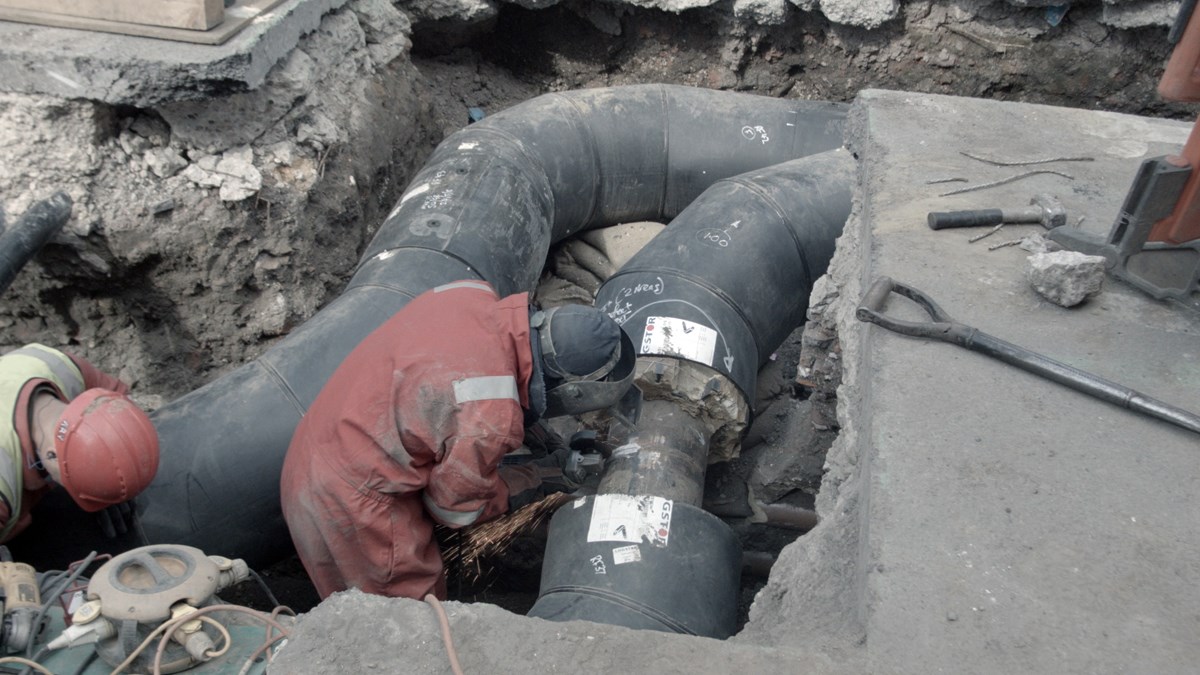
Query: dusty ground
point(170, 300)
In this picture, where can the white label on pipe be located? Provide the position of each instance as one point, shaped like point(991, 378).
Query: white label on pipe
point(626, 554)
point(631, 518)
point(675, 337)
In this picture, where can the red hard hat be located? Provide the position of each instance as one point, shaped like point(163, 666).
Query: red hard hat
point(107, 449)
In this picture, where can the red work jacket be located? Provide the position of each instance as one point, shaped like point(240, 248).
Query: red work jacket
point(411, 426)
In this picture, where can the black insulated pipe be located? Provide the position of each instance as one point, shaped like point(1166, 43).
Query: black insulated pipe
point(719, 289)
point(735, 268)
point(30, 233)
point(487, 205)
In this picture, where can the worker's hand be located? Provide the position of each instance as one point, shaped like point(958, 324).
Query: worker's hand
point(533, 480)
point(542, 440)
point(557, 471)
point(524, 484)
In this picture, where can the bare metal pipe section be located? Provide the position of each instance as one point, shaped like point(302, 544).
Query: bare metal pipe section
point(666, 456)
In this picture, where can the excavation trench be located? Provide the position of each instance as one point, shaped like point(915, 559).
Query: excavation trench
point(756, 192)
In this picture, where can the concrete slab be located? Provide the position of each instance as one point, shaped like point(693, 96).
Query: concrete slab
point(140, 71)
point(1011, 524)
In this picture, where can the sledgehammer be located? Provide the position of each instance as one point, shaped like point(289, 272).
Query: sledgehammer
point(1045, 210)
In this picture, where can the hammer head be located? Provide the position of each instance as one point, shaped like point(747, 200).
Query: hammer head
point(1053, 212)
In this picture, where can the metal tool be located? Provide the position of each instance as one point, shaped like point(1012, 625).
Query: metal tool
point(1154, 245)
point(1045, 210)
point(948, 330)
point(22, 605)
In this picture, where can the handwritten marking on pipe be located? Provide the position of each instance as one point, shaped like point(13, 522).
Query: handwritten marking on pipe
point(721, 238)
point(616, 310)
point(438, 200)
point(420, 189)
point(758, 132)
point(598, 564)
point(469, 145)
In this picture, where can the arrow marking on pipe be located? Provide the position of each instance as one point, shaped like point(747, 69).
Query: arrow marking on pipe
point(728, 359)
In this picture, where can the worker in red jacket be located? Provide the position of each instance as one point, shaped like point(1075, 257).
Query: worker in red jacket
point(71, 425)
point(411, 428)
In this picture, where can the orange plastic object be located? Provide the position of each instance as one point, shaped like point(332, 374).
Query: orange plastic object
point(1181, 82)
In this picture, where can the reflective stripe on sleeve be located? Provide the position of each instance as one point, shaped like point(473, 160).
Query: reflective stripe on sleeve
point(486, 388)
point(477, 285)
point(72, 384)
point(459, 518)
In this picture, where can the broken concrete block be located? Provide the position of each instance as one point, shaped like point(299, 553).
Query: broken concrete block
point(132, 143)
point(864, 13)
point(269, 313)
point(765, 12)
point(201, 177)
point(164, 162)
point(1066, 278)
point(239, 177)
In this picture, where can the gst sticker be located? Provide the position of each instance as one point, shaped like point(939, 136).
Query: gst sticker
point(629, 518)
point(675, 337)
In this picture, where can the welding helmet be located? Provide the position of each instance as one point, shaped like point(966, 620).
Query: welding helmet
point(107, 449)
point(582, 360)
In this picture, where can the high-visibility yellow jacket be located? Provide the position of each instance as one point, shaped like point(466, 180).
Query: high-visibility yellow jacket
point(24, 373)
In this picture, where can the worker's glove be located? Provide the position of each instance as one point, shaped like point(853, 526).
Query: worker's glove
point(534, 480)
point(559, 470)
point(542, 440)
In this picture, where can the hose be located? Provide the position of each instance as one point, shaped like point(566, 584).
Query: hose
point(30, 233)
point(444, 620)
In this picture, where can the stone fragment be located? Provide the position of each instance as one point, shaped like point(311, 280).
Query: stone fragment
point(164, 162)
point(862, 13)
point(1038, 243)
point(269, 313)
point(132, 143)
point(240, 178)
point(1066, 278)
point(763, 12)
point(152, 129)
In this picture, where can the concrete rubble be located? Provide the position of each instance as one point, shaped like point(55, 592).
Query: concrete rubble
point(1066, 278)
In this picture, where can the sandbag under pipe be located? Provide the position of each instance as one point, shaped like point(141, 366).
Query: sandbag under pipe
point(488, 204)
